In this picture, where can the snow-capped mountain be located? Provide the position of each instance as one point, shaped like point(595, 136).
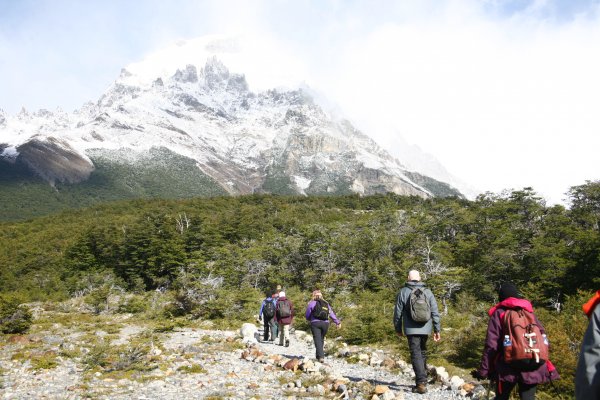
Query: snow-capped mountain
point(205, 120)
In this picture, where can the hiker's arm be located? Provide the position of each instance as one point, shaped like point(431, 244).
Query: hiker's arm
point(309, 309)
point(398, 314)
point(435, 314)
point(334, 317)
point(587, 382)
point(490, 348)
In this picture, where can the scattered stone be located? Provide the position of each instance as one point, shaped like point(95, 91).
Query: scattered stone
point(456, 382)
point(381, 389)
point(388, 362)
point(442, 375)
point(292, 364)
point(18, 339)
point(389, 395)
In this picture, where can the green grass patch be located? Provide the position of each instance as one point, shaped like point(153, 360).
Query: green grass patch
point(192, 369)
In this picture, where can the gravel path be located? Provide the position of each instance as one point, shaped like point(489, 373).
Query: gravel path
point(225, 374)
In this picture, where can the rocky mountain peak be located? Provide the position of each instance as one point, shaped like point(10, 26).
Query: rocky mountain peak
point(215, 69)
point(188, 75)
point(158, 82)
point(43, 113)
point(23, 115)
point(125, 73)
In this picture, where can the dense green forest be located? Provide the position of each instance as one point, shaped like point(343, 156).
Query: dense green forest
point(215, 257)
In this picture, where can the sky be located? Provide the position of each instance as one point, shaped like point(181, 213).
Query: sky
point(504, 93)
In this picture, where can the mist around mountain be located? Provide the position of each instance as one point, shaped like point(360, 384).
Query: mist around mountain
point(198, 130)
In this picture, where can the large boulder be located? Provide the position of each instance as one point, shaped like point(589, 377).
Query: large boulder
point(249, 333)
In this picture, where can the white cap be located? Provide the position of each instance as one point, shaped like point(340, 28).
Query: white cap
point(414, 275)
point(281, 294)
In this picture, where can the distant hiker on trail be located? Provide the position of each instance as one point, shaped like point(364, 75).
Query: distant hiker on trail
point(318, 313)
point(284, 314)
point(513, 355)
point(267, 315)
point(275, 297)
point(415, 315)
point(587, 377)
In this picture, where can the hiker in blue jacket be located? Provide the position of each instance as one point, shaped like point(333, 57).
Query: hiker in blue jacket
point(267, 315)
point(318, 313)
point(416, 332)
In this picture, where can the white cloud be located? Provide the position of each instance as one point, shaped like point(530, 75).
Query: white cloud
point(502, 103)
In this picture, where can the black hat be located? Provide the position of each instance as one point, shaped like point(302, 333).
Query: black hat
point(508, 289)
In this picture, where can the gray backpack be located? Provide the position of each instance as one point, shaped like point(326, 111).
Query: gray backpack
point(419, 306)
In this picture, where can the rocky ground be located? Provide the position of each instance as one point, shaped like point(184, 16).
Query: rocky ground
point(122, 359)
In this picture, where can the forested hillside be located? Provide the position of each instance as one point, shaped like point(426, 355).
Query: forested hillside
point(215, 257)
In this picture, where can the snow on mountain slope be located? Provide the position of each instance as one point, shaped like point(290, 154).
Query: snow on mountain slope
point(275, 140)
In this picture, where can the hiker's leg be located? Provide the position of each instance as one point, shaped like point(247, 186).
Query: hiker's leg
point(527, 392)
point(273, 326)
point(281, 334)
point(325, 329)
point(416, 357)
point(265, 329)
point(503, 389)
point(286, 332)
point(424, 352)
point(319, 330)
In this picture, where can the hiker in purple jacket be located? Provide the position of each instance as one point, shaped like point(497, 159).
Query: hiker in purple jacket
point(493, 365)
point(318, 317)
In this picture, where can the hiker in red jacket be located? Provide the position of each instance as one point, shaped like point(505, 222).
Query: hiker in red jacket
point(493, 365)
point(284, 315)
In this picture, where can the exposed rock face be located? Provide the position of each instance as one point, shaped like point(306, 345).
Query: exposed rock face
point(54, 160)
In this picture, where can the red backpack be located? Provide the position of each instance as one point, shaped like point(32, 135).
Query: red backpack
point(525, 346)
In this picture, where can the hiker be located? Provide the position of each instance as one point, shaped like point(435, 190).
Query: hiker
point(284, 314)
point(275, 297)
point(415, 315)
point(493, 363)
point(317, 314)
point(267, 315)
point(587, 377)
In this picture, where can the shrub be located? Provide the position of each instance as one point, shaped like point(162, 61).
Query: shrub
point(133, 304)
point(368, 319)
point(46, 360)
point(14, 317)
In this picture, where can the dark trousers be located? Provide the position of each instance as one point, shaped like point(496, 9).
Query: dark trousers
point(418, 355)
point(270, 326)
point(319, 330)
point(526, 392)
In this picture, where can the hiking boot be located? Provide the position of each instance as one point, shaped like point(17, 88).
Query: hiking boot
point(420, 388)
point(287, 343)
